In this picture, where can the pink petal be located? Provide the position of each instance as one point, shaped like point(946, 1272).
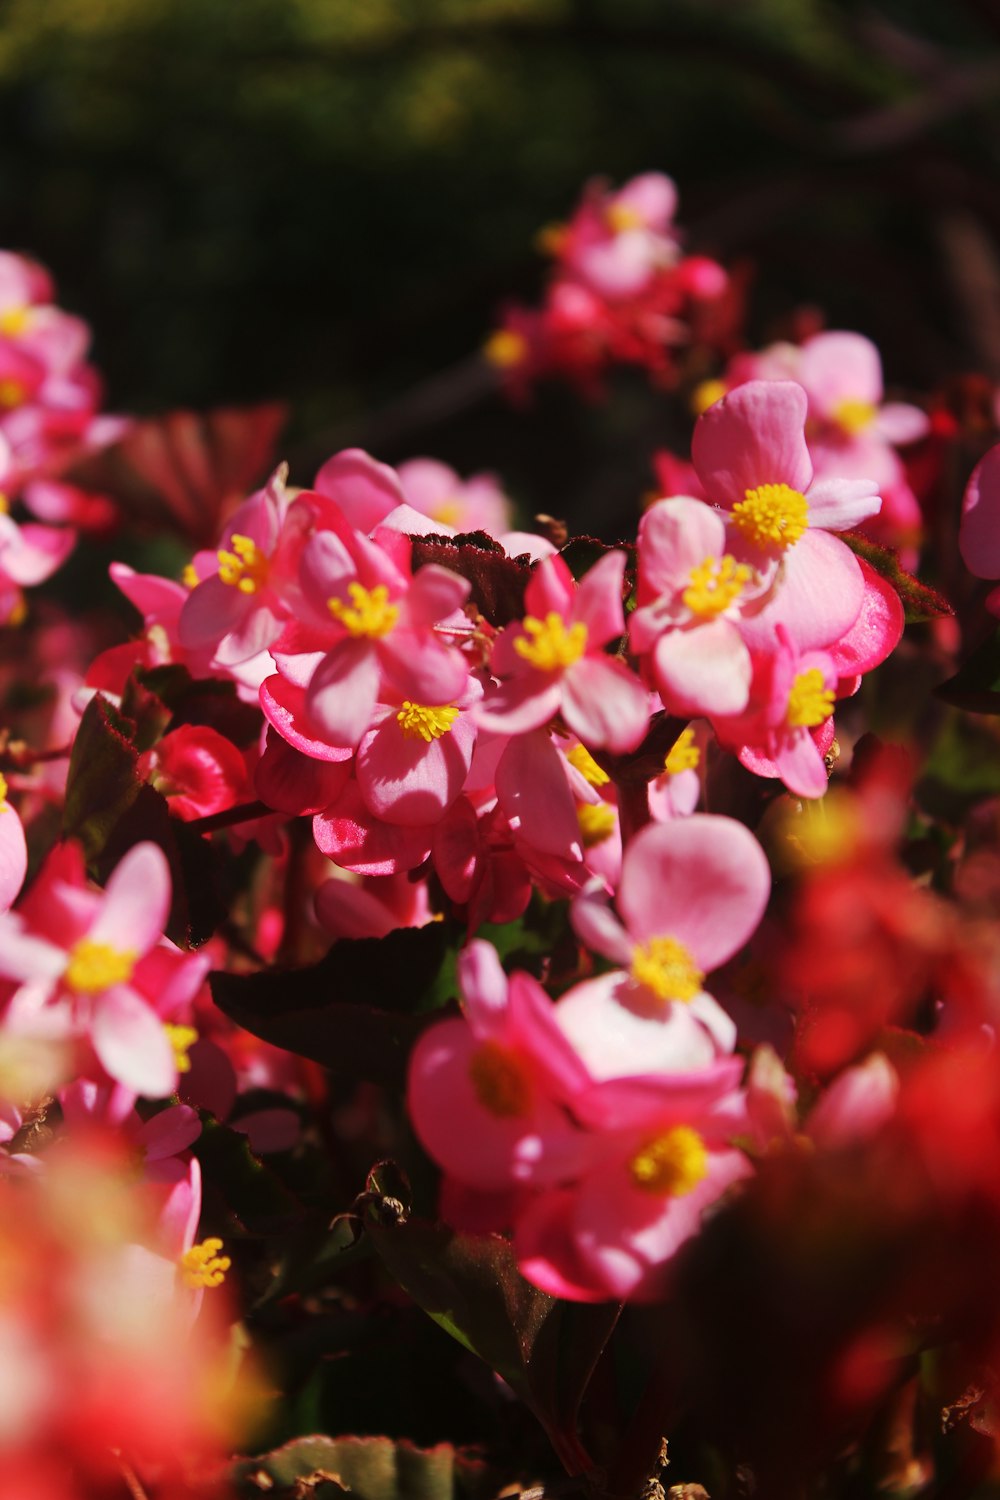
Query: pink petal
point(605, 704)
point(599, 600)
point(616, 1038)
point(170, 1131)
point(406, 780)
point(703, 670)
point(13, 856)
point(434, 594)
point(703, 880)
point(597, 927)
point(675, 536)
point(550, 589)
point(877, 630)
point(131, 1043)
point(284, 705)
point(899, 423)
point(483, 986)
point(800, 764)
point(534, 794)
point(356, 840)
point(755, 435)
point(519, 705)
point(294, 783)
point(817, 599)
point(136, 901)
point(211, 610)
point(341, 697)
point(421, 667)
point(979, 531)
point(365, 490)
point(839, 366)
point(842, 504)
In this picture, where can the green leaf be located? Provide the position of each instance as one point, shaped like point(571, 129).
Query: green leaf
point(370, 1468)
point(239, 1187)
point(325, 1011)
point(545, 1349)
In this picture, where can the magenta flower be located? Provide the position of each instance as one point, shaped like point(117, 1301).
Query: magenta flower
point(979, 531)
point(553, 660)
point(750, 453)
point(487, 1092)
point(692, 892)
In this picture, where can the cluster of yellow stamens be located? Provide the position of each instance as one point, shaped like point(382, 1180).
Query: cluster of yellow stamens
point(505, 348)
point(596, 821)
point(369, 614)
point(418, 722)
point(202, 1265)
point(4, 505)
point(581, 760)
point(715, 584)
point(772, 516)
point(94, 967)
point(809, 702)
point(853, 416)
point(548, 645)
point(245, 568)
point(672, 1164)
point(620, 217)
point(683, 755)
point(14, 321)
point(665, 966)
point(12, 393)
point(499, 1080)
point(3, 792)
point(181, 1039)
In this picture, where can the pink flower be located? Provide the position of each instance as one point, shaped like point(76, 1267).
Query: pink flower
point(376, 631)
point(617, 242)
point(661, 1158)
point(93, 965)
point(13, 851)
point(692, 892)
point(487, 1092)
point(553, 661)
point(979, 531)
point(474, 504)
point(751, 456)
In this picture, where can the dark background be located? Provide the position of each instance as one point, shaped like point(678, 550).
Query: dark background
point(326, 200)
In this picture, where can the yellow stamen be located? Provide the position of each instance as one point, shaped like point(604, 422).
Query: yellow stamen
point(854, 415)
point(809, 702)
point(246, 567)
point(684, 754)
point(18, 611)
point(202, 1265)
point(715, 584)
point(548, 645)
point(500, 1082)
point(419, 722)
point(4, 505)
point(448, 513)
point(94, 967)
point(12, 393)
point(3, 793)
point(620, 217)
point(551, 239)
point(581, 760)
point(181, 1039)
point(596, 821)
point(772, 516)
point(707, 394)
point(369, 613)
point(505, 348)
point(14, 321)
point(671, 1164)
point(665, 966)
point(189, 577)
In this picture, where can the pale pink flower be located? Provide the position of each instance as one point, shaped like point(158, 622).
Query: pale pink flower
point(474, 504)
point(979, 531)
point(692, 892)
point(553, 660)
point(616, 242)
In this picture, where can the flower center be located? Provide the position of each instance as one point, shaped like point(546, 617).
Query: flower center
point(94, 967)
point(3, 792)
point(369, 613)
point(245, 568)
point(202, 1265)
point(447, 512)
point(181, 1039)
point(809, 702)
point(854, 415)
point(620, 217)
point(665, 966)
point(500, 1081)
point(581, 760)
point(548, 645)
point(671, 1164)
point(12, 393)
point(715, 585)
point(772, 516)
point(505, 348)
point(683, 755)
point(597, 822)
point(14, 321)
point(421, 723)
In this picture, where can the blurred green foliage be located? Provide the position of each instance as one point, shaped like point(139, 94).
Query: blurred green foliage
point(326, 200)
